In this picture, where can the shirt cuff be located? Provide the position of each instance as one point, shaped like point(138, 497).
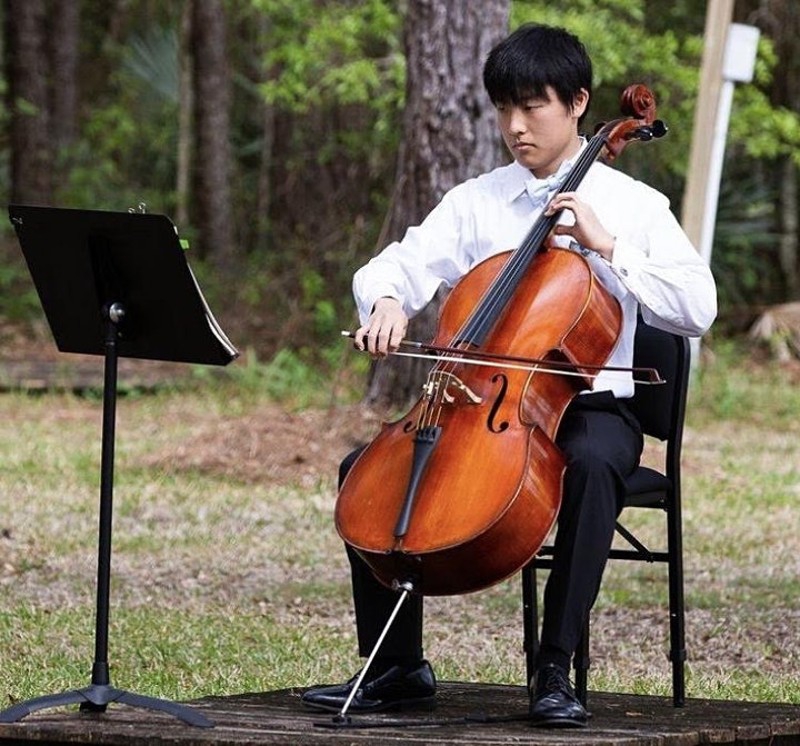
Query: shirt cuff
point(626, 260)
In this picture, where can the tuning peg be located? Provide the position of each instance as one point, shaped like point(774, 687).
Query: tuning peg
point(658, 128)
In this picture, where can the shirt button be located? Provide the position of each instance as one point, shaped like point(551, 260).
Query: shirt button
point(623, 272)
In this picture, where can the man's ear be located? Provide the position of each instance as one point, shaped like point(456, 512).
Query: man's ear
point(580, 104)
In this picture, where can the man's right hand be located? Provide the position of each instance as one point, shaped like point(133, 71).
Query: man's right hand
point(384, 329)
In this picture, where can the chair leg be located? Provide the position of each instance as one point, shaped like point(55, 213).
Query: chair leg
point(581, 665)
point(677, 629)
point(530, 621)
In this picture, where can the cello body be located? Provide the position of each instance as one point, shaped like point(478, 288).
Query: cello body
point(491, 488)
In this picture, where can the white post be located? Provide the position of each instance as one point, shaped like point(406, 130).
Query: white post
point(737, 67)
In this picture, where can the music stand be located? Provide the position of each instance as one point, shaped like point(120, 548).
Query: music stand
point(117, 285)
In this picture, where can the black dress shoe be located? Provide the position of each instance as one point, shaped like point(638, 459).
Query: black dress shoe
point(554, 702)
point(399, 688)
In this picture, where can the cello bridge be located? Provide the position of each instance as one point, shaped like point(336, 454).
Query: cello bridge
point(446, 388)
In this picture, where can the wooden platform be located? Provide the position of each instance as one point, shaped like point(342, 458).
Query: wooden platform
point(466, 714)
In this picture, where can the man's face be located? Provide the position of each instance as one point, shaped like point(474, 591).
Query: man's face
point(541, 132)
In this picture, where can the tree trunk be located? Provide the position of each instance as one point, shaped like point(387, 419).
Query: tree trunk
point(264, 182)
point(26, 71)
point(185, 108)
point(64, 46)
point(212, 126)
point(786, 27)
point(790, 229)
point(449, 135)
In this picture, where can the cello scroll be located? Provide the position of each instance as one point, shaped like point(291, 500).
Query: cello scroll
point(639, 104)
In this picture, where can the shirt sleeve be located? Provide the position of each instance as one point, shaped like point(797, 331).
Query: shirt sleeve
point(661, 268)
point(411, 270)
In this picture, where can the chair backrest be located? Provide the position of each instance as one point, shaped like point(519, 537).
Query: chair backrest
point(660, 409)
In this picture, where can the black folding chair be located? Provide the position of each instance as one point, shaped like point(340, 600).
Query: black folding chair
point(660, 410)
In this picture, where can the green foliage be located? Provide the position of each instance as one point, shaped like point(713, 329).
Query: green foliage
point(336, 51)
point(127, 151)
point(762, 129)
point(625, 50)
point(152, 57)
point(18, 298)
point(765, 131)
point(337, 68)
point(316, 299)
point(745, 239)
point(300, 378)
point(284, 378)
point(5, 155)
point(15, 305)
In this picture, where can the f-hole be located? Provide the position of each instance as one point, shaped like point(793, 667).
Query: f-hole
point(498, 427)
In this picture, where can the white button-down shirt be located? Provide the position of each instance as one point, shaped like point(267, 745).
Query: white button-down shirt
point(654, 265)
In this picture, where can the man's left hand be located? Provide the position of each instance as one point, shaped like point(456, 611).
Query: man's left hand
point(587, 229)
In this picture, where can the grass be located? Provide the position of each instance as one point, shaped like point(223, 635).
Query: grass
point(225, 582)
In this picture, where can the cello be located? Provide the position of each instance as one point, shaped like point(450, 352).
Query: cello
point(462, 491)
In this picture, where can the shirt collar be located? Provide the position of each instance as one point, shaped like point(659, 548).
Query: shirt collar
point(522, 180)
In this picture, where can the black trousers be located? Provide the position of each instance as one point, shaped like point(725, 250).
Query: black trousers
point(602, 442)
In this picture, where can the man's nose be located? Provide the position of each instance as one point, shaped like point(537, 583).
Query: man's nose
point(516, 121)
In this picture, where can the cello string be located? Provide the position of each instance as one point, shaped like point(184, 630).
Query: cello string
point(496, 296)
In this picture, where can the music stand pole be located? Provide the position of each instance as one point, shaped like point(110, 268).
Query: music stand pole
point(100, 693)
point(100, 674)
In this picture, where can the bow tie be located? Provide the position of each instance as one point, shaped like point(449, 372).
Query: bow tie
point(540, 190)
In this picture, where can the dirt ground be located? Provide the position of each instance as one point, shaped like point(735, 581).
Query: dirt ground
point(276, 446)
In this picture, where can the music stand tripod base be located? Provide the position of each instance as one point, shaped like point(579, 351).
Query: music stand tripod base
point(95, 698)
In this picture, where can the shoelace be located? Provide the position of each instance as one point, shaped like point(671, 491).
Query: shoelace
point(551, 680)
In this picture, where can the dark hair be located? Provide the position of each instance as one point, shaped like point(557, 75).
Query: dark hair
point(534, 57)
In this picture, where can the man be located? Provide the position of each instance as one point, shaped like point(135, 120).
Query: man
point(540, 81)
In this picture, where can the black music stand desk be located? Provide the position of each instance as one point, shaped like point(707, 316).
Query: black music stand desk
point(116, 285)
